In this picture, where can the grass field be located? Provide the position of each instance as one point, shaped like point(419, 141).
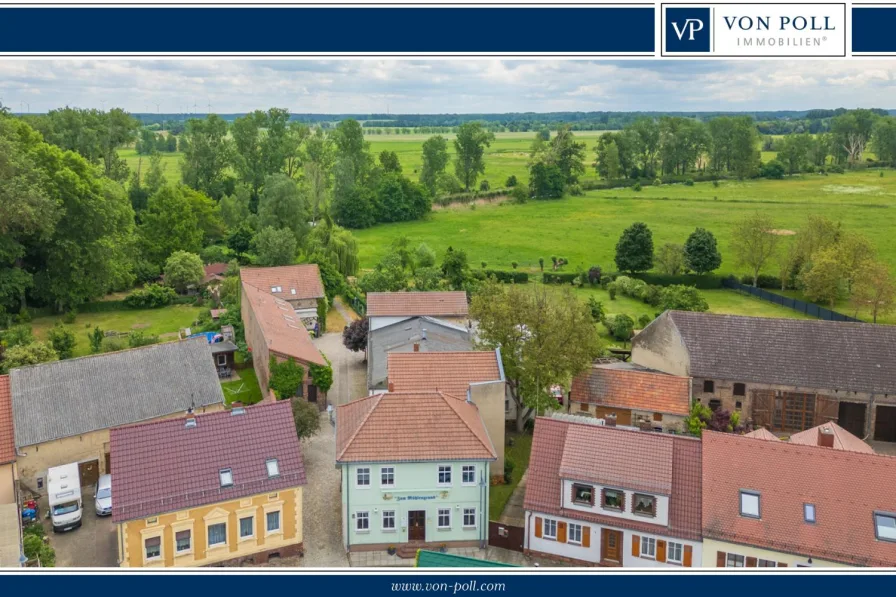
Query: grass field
point(245, 389)
point(170, 163)
point(164, 322)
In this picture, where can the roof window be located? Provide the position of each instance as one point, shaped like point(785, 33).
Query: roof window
point(273, 468)
point(885, 526)
point(809, 512)
point(749, 504)
point(226, 476)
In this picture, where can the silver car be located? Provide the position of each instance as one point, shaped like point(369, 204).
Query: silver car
point(104, 496)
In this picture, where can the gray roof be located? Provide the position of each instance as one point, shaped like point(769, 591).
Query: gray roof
point(859, 357)
point(441, 336)
point(65, 398)
point(225, 346)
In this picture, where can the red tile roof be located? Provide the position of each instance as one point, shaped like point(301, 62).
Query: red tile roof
point(633, 389)
point(7, 433)
point(449, 372)
point(843, 439)
point(164, 466)
point(214, 271)
point(434, 304)
point(303, 279)
point(410, 426)
point(281, 327)
point(561, 447)
point(845, 487)
point(763, 433)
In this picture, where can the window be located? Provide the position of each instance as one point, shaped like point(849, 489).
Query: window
point(809, 512)
point(734, 561)
point(217, 534)
point(715, 404)
point(469, 517)
point(247, 527)
point(575, 533)
point(738, 405)
point(273, 521)
point(182, 541)
point(550, 528)
point(708, 386)
point(648, 547)
point(673, 552)
point(362, 477)
point(273, 468)
point(388, 520)
point(885, 526)
point(645, 505)
point(740, 389)
point(222, 359)
point(444, 518)
point(153, 546)
point(582, 494)
point(276, 289)
point(445, 474)
point(749, 504)
point(767, 564)
point(613, 500)
point(226, 476)
point(794, 411)
point(362, 522)
point(387, 476)
point(506, 405)
point(468, 475)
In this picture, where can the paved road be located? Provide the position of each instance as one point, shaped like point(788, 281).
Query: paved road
point(349, 369)
point(92, 545)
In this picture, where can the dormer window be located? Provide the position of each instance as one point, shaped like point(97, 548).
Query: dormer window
point(226, 477)
point(644, 505)
point(583, 494)
point(885, 526)
point(273, 468)
point(809, 513)
point(749, 504)
point(613, 499)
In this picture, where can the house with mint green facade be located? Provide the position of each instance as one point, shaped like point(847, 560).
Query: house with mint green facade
point(415, 472)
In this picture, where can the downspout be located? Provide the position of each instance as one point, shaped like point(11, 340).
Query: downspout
point(483, 507)
point(347, 517)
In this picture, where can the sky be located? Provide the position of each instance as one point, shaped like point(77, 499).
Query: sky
point(445, 86)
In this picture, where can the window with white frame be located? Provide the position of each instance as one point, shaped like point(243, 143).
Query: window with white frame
point(388, 520)
point(767, 563)
point(273, 468)
point(734, 561)
point(247, 527)
point(674, 552)
point(444, 518)
point(575, 533)
point(183, 541)
point(362, 522)
point(153, 548)
point(885, 526)
point(648, 547)
point(222, 359)
point(387, 476)
point(469, 517)
point(809, 512)
point(550, 528)
point(749, 504)
point(362, 477)
point(468, 475)
point(273, 521)
point(444, 474)
point(217, 534)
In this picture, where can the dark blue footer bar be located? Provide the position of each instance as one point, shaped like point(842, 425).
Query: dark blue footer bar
point(331, 30)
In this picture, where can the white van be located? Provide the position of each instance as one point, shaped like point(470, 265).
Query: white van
point(64, 490)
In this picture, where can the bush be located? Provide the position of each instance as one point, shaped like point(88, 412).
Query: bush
point(519, 195)
point(644, 321)
point(151, 297)
point(511, 181)
point(715, 183)
point(763, 281)
point(514, 264)
point(636, 186)
point(321, 376)
point(620, 326)
point(138, 339)
point(611, 288)
point(594, 274)
point(706, 282)
point(689, 182)
point(507, 277)
point(114, 344)
point(575, 190)
point(773, 169)
point(484, 186)
point(596, 308)
point(836, 169)
point(509, 465)
point(70, 316)
point(682, 298)
point(559, 277)
point(286, 378)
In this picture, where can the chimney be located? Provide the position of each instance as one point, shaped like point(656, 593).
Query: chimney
point(825, 437)
point(610, 420)
point(423, 333)
point(236, 404)
point(416, 347)
point(391, 387)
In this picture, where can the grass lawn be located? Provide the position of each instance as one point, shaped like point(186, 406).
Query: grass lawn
point(245, 390)
point(519, 453)
point(164, 322)
point(170, 163)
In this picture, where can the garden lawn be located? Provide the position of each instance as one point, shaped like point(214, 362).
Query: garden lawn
point(245, 389)
point(519, 453)
point(164, 322)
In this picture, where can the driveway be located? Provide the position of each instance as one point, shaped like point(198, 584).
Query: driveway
point(349, 369)
point(92, 545)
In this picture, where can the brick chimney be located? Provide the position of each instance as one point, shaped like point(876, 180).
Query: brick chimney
point(610, 420)
point(391, 387)
point(236, 404)
point(825, 437)
point(416, 347)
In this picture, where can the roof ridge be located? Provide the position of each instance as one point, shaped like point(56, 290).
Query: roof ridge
point(785, 444)
point(106, 354)
point(777, 319)
point(453, 407)
point(228, 412)
point(378, 398)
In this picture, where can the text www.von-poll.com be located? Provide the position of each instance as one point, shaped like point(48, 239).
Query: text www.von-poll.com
point(470, 586)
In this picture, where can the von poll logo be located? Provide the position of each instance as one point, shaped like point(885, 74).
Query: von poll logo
point(754, 30)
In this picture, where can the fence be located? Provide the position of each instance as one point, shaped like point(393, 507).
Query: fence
point(810, 309)
point(505, 536)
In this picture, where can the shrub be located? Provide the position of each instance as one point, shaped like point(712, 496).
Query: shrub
point(513, 264)
point(594, 274)
point(138, 339)
point(509, 465)
point(620, 326)
point(597, 309)
point(484, 186)
point(773, 169)
point(541, 263)
point(715, 183)
point(151, 297)
point(689, 182)
point(575, 190)
point(306, 418)
point(810, 169)
point(682, 298)
point(519, 195)
point(611, 288)
point(114, 344)
point(836, 169)
point(504, 276)
point(644, 321)
point(286, 377)
point(321, 376)
point(559, 277)
point(511, 181)
point(96, 340)
point(763, 281)
point(62, 339)
point(483, 264)
point(70, 316)
point(636, 186)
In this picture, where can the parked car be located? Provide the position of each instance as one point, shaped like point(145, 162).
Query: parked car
point(104, 496)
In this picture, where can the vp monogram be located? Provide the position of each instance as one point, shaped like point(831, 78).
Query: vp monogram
point(691, 26)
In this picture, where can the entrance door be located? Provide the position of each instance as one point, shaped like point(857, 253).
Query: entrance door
point(312, 393)
point(417, 525)
point(851, 416)
point(89, 472)
point(885, 424)
point(611, 545)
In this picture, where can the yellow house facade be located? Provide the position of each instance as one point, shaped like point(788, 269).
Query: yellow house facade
point(255, 528)
point(721, 554)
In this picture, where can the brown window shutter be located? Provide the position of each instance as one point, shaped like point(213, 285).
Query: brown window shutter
point(721, 556)
point(660, 550)
point(636, 545)
point(782, 565)
point(751, 562)
point(603, 497)
point(538, 523)
point(586, 536)
point(622, 500)
point(561, 532)
point(688, 558)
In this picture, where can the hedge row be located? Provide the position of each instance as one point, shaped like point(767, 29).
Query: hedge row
point(705, 282)
point(470, 197)
point(561, 277)
point(505, 276)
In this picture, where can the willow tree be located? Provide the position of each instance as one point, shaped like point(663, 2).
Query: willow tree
point(336, 244)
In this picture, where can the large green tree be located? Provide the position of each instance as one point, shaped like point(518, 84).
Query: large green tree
point(469, 147)
point(701, 252)
point(435, 159)
point(283, 205)
point(275, 246)
point(754, 242)
point(183, 270)
point(208, 155)
point(634, 251)
point(169, 224)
